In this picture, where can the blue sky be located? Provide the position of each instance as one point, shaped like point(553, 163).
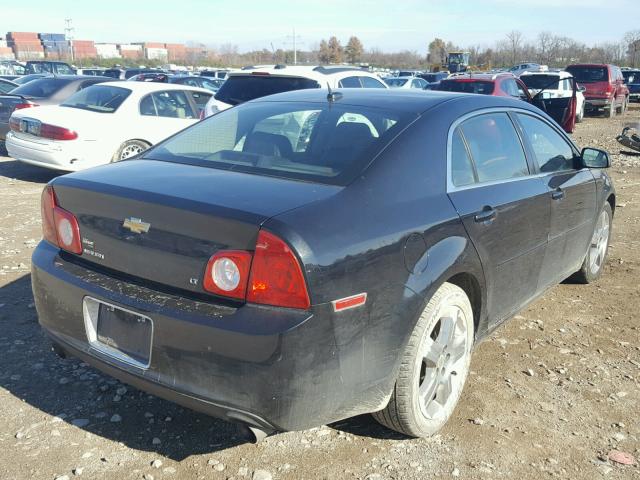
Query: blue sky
point(388, 25)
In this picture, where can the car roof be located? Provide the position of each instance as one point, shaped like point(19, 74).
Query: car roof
point(144, 87)
point(409, 100)
point(561, 74)
point(485, 77)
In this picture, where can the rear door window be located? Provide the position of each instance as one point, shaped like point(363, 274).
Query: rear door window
point(553, 153)
point(240, 89)
point(495, 147)
point(350, 82)
point(173, 104)
point(462, 171)
point(368, 82)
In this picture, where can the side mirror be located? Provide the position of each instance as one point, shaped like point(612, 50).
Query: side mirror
point(595, 158)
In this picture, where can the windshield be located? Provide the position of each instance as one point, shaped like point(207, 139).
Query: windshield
point(320, 142)
point(466, 86)
point(589, 74)
point(42, 87)
point(98, 98)
point(537, 82)
point(395, 82)
point(240, 89)
point(12, 68)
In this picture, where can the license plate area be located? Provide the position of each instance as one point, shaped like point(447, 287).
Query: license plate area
point(31, 127)
point(119, 333)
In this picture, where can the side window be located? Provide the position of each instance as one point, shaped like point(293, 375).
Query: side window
point(510, 87)
point(495, 147)
point(552, 152)
point(461, 167)
point(350, 82)
point(173, 104)
point(368, 82)
point(147, 107)
point(200, 100)
point(63, 69)
point(522, 91)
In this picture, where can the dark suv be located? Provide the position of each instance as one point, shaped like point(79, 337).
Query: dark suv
point(604, 86)
point(632, 80)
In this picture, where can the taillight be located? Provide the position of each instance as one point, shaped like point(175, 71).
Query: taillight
point(14, 124)
point(57, 133)
point(23, 105)
point(271, 276)
point(276, 277)
point(59, 226)
point(227, 274)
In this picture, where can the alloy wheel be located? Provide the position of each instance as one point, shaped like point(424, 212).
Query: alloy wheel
point(130, 151)
point(599, 243)
point(444, 363)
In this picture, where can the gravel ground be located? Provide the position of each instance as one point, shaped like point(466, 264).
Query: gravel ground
point(552, 393)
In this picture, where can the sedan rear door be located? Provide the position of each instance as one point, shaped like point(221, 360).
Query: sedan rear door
point(505, 209)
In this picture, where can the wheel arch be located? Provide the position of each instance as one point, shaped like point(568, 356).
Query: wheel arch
point(470, 285)
point(611, 200)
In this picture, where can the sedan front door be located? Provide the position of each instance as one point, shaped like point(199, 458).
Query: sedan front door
point(165, 113)
point(571, 194)
point(505, 210)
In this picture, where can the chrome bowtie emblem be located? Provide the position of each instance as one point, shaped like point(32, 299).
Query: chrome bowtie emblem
point(136, 225)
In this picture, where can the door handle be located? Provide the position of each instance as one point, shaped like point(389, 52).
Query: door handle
point(488, 214)
point(557, 194)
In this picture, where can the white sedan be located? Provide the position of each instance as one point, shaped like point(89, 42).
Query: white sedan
point(554, 85)
point(103, 123)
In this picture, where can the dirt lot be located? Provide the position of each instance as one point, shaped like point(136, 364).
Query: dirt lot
point(551, 393)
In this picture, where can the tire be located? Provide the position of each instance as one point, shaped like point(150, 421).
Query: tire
point(596, 255)
point(611, 111)
point(434, 366)
point(129, 149)
point(625, 105)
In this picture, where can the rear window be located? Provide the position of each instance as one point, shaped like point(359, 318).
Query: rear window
point(466, 86)
point(538, 82)
point(98, 98)
point(42, 87)
point(589, 74)
point(320, 142)
point(240, 89)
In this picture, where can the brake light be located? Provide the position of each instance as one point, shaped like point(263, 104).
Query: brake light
point(20, 106)
point(227, 273)
point(261, 74)
point(271, 276)
point(59, 226)
point(57, 133)
point(276, 277)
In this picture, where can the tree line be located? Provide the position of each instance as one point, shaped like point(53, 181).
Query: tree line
point(546, 48)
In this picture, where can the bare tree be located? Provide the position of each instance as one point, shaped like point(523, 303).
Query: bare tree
point(514, 42)
point(632, 41)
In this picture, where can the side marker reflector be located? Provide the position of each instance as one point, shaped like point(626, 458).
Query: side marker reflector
point(349, 302)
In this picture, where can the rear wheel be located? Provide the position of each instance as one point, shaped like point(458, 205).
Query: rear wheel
point(611, 111)
point(434, 366)
point(129, 149)
point(598, 247)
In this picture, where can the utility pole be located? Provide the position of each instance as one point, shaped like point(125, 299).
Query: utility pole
point(69, 33)
point(294, 39)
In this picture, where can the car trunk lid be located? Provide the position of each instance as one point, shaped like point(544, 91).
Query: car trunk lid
point(161, 221)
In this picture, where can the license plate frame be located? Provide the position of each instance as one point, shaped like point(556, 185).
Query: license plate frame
point(108, 339)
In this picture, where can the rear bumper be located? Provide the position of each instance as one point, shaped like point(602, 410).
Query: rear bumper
point(57, 155)
point(274, 369)
point(596, 103)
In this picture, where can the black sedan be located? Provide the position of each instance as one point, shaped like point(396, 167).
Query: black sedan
point(6, 85)
point(48, 90)
point(191, 80)
point(306, 257)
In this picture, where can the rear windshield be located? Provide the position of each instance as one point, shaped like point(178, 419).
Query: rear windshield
point(589, 74)
point(319, 142)
point(466, 86)
point(42, 87)
point(631, 76)
point(538, 82)
point(113, 73)
point(395, 82)
point(240, 89)
point(98, 98)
